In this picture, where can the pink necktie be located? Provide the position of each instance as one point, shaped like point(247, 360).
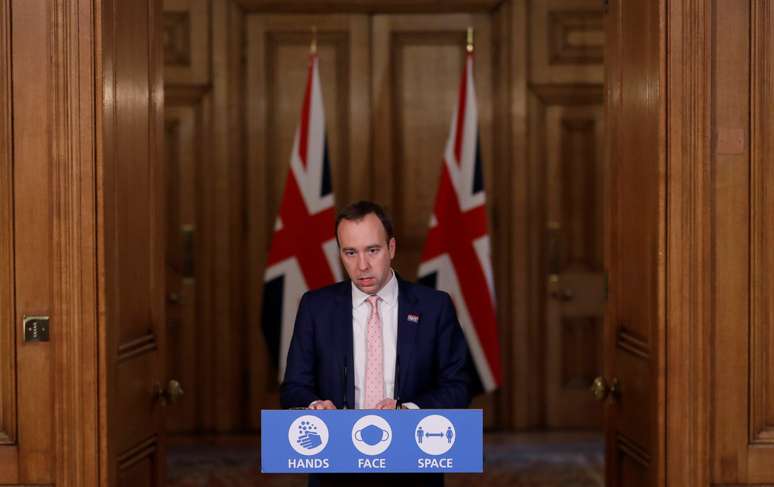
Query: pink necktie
point(374, 372)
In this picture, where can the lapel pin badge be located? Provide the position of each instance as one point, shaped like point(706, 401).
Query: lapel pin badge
point(413, 318)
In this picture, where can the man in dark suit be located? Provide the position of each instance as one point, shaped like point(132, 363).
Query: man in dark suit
point(375, 341)
point(429, 361)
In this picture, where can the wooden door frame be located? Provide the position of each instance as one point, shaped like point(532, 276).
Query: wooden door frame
point(689, 276)
point(77, 329)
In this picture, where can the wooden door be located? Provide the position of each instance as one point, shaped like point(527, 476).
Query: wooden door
point(182, 162)
point(564, 261)
point(634, 328)
point(27, 252)
point(133, 244)
point(576, 282)
point(741, 289)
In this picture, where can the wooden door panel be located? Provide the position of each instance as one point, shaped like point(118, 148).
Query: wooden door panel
point(422, 107)
point(731, 253)
point(418, 62)
point(632, 468)
point(567, 41)
point(187, 333)
point(133, 239)
point(32, 232)
point(278, 54)
point(277, 57)
point(132, 173)
point(742, 359)
point(633, 407)
point(634, 337)
point(139, 466)
point(136, 399)
point(575, 284)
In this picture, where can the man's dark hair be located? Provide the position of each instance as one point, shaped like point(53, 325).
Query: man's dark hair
point(358, 211)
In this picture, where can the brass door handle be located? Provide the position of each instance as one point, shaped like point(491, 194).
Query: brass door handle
point(601, 389)
point(169, 395)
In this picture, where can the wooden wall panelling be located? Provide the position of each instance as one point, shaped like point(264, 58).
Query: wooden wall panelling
point(132, 239)
point(32, 121)
point(417, 64)
point(277, 62)
point(762, 236)
point(226, 410)
point(720, 60)
point(518, 398)
point(567, 40)
point(690, 305)
point(730, 107)
point(187, 45)
point(368, 6)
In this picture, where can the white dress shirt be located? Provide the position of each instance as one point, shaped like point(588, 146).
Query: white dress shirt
point(388, 312)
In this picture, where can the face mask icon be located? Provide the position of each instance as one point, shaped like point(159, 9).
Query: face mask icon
point(372, 434)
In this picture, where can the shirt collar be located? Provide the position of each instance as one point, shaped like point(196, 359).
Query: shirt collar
point(388, 294)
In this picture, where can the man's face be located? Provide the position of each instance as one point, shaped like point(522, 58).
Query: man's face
point(366, 253)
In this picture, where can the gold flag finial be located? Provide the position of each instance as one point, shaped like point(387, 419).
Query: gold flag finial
point(470, 39)
point(313, 46)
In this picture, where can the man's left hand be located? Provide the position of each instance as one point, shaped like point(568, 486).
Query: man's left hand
point(386, 403)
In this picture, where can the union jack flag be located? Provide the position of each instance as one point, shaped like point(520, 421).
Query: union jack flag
point(303, 253)
point(456, 256)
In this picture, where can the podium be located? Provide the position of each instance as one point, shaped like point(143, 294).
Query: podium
point(372, 441)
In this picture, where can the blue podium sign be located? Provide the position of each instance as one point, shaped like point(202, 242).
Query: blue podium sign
point(361, 440)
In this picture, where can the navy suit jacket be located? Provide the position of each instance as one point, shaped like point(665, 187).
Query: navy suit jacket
point(432, 362)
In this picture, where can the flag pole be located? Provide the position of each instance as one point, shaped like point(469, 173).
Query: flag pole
point(470, 40)
point(313, 46)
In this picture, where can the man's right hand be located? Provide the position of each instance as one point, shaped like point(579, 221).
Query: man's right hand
point(326, 404)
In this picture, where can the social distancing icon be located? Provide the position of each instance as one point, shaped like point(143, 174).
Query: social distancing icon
point(435, 434)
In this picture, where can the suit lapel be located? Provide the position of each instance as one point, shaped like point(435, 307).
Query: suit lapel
point(344, 341)
point(407, 333)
